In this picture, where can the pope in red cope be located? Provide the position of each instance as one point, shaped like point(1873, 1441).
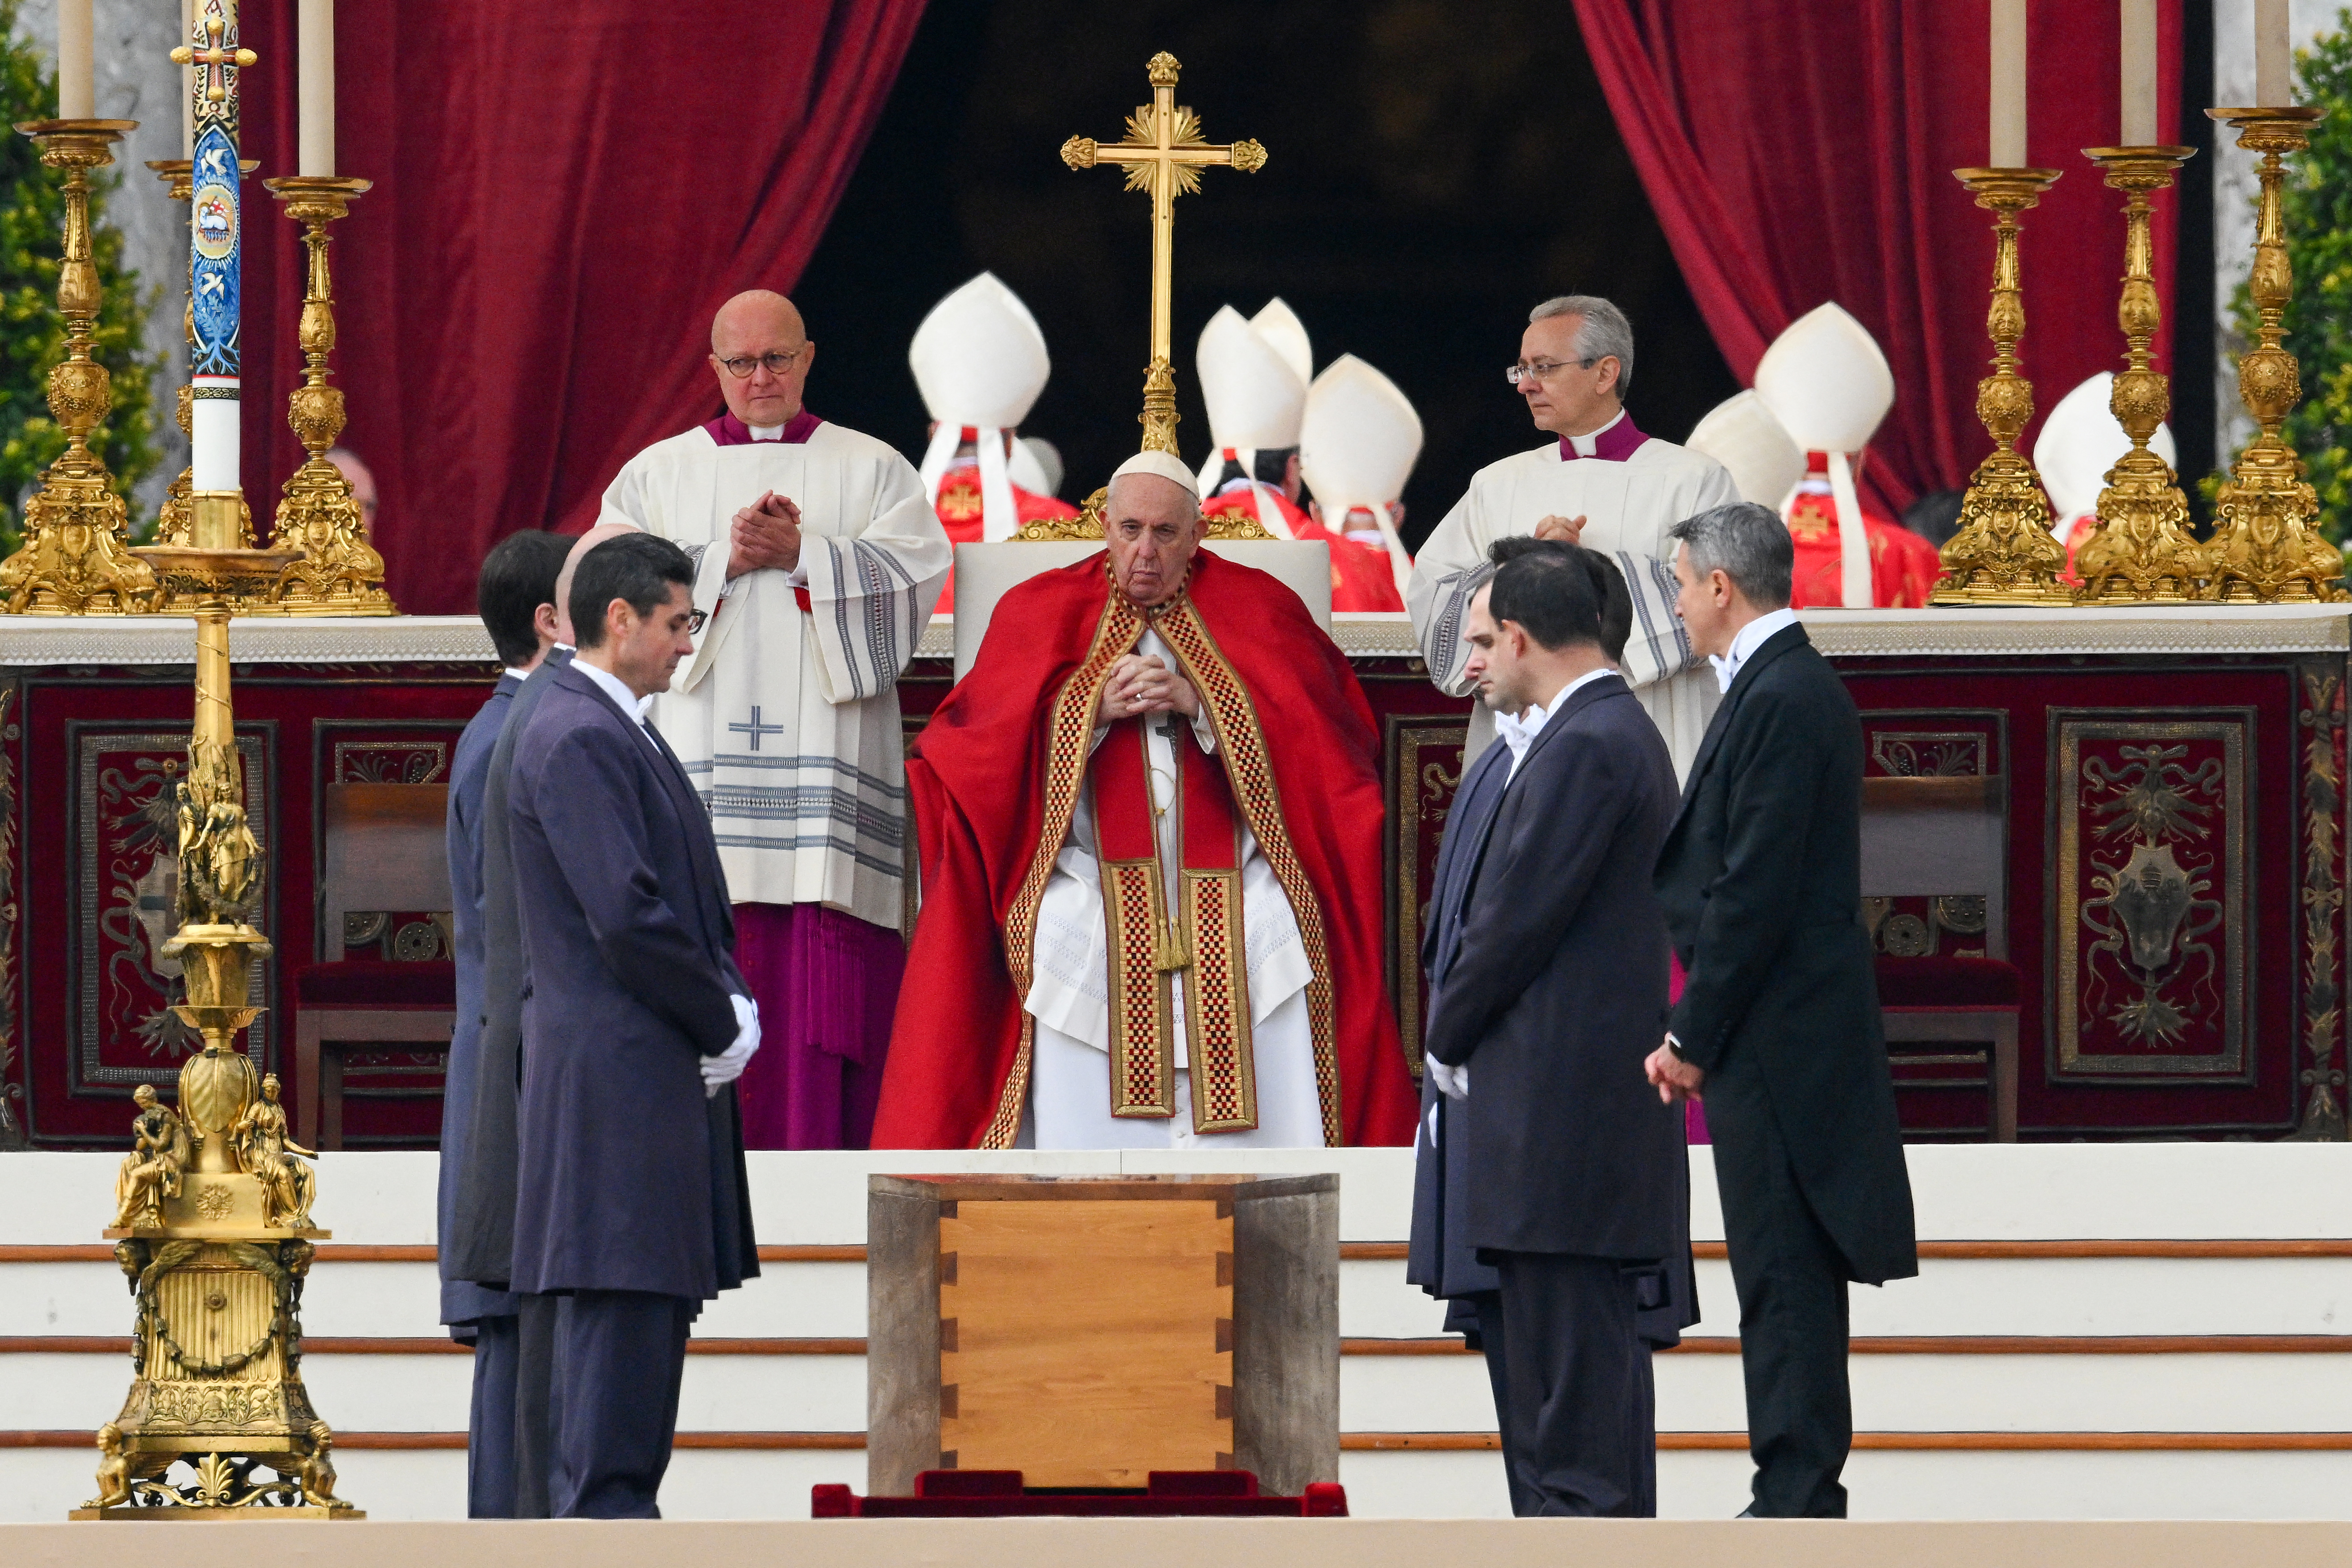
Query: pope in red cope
point(1149, 823)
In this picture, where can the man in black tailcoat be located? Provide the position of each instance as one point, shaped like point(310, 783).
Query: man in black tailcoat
point(516, 594)
point(1553, 989)
point(631, 1203)
point(477, 1225)
point(1777, 1026)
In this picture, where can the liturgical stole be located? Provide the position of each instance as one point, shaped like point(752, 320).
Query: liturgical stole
point(1152, 948)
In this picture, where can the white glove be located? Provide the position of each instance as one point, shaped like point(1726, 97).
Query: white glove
point(728, 1065)
point(1453, 1083)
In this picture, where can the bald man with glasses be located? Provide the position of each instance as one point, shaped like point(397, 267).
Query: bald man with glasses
point(1599, 481)
point(817, 558)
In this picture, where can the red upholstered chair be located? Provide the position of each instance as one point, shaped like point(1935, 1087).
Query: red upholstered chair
point(1946, 840)
point(383, 848)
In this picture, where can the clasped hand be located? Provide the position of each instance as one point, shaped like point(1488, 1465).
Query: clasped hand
point(1570, 529)
point(1140, 684)
point(1674, 1078)
point(765, 533)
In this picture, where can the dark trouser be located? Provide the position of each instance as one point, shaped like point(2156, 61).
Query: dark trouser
point(1478, 1317)
point(1791, 1282)
point(490, 1426)
point(534, 1421)
point(1579, 1425)
point(619, 1358)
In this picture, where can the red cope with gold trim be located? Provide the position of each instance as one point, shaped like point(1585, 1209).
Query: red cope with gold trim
point(1363, 581)
point(992, 793)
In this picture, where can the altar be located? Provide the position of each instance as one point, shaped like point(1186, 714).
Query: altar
point(2207, 740)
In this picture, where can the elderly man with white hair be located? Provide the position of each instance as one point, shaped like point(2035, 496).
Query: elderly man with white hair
point(1146, 921)
point(1599, 482)
point(817, 558)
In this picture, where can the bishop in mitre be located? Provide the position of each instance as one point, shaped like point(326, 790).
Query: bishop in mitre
point(980, 362)
point(1827, 383)
point(817, 559)
point(1149, 821)
point(1357, 447)
point(1599, 481)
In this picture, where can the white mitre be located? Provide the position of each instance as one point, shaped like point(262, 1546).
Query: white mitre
point(1827, 383)
point(980, 362)
point(2079, 441)
point(1036, 465)
point(1764, 462)
point(1356, 446)
point(1253, 378)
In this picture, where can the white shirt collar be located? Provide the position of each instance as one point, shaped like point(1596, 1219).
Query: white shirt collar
point(1520, 733)
point(1586, 445)
point(631, 703)
point(1751, 636)
point(766, 432)
point(518, 674)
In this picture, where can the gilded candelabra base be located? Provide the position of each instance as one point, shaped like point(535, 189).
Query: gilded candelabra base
point(338, 572)
point(2004, 553)
point(76, 560)
point(2142, 550)
point(2266, 546)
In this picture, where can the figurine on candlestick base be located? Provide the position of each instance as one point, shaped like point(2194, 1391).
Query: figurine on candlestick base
point(340, 572)
point(2141, 552)
point(2005, 552)
point(75, 556)
point(2266, 547)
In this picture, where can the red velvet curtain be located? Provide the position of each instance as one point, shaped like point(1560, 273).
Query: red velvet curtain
point(1800, 151)
point(564, 195)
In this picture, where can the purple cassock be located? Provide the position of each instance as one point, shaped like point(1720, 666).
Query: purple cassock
point(826, 984)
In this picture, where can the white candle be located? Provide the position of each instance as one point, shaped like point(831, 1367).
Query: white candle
point(76, 83)
point(2273, 55)
point(2008, 132)
point(2139, 74)
point(315, 149)
point(188, 83)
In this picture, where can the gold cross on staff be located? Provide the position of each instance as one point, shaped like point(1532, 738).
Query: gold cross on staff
point(215, 60)
point(1163, 154)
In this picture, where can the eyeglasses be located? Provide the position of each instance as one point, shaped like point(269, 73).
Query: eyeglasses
point(743, 365)
point(695, 622)
point(1545, 369)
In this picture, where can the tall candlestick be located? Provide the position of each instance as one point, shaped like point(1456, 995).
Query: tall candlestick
point(2008, 130)
point(215, 233)
point(187, 89)
point(2273, 55)
point(76, 79)
point(315, 27)
point(2139, 74)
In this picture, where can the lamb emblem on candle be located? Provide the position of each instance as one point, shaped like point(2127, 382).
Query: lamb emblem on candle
point(216, 223)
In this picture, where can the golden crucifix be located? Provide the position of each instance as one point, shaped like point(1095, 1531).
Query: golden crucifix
point(1164, 155)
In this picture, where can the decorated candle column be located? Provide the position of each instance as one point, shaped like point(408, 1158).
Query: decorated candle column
point(215, 236)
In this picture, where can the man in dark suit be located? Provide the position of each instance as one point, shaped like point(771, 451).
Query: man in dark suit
point(1553, 983)
point(631, 1198)
point(516, 594)
point(1778, 1024)
point(1441, 1259)
point(477, 1231)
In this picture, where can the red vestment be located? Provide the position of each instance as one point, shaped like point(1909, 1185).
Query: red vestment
point(958, 505)
point(995, 778)
point(1903, 566)
point(1363, 582)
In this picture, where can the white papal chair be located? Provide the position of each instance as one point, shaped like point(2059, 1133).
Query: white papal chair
point(986, 572)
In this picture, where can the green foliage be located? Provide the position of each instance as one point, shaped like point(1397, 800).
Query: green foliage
point(2317, 207)
point(32, 334)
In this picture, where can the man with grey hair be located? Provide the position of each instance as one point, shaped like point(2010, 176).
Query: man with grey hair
point(1599, 482)
point(1778, 1024)
point(1149, 819)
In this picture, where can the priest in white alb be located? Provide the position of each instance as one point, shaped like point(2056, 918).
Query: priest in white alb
point(817, 559)
point(1599, 482)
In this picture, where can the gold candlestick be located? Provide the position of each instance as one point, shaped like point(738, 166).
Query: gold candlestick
point(339, 573)
point(75, 560)
point(2141, 552)
point(2266, 548)
point(173, 521)
point(2004, 553)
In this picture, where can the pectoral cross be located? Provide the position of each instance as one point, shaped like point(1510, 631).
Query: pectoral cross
point(1163, 154)
point(755, 729)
